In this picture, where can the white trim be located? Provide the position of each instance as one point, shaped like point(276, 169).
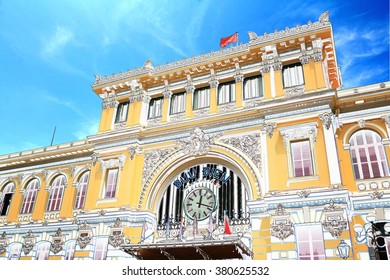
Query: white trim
point(332, 156)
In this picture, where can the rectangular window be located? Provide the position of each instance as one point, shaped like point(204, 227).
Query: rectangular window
point(121, 112)
point(5, 203)
point(100, 249)
point(201, 98)
point(292, 75)
point(253, 87)
point(310, 242)
point(111, 182)
point(69, 250)
point(226, 93)
point(301, 158)
point(178, 103)
point(43, 251)
point(155, 108)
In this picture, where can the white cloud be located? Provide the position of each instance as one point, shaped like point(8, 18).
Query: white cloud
point(57, 41)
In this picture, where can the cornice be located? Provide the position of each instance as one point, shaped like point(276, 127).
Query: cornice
point(150, 70)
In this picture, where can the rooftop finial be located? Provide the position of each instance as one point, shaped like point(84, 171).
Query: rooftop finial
point(324, 17)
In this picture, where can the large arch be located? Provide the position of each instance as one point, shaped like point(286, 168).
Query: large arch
point(220, 154)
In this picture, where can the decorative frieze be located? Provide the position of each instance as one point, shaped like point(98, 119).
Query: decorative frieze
point(304, 131)
point(201, 112)
point(154, 121)
point(294, 91)
point(133, 150)
point(177, 117)
point(110, 101)
point(136, 98)
point(228, 107)
point(249, 145)
point(116, 237)
point(199, 143)
point(84, 235)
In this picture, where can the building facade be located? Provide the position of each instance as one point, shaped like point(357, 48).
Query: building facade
point(249, 152)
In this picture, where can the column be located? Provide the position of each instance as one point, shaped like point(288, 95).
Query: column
point(276, 80)
point(239, 78)
point(190, 89)
point(135, 109)
point(144, 109)
point(165, 106)
point(109, 106)
point(308, 72)
point(213, 92)
point(331, 149)
point(265, 72)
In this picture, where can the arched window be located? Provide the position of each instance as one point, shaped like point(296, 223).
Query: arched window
point(56, 193)
point(70, 249)
point(368, 155)
point(81, 190)
point(15, 249)
point(30, 196)
point(6, 197)
point(43, 250)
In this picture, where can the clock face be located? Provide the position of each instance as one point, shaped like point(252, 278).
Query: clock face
point(199, 203)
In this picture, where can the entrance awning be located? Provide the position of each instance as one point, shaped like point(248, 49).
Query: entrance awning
point(195, 250)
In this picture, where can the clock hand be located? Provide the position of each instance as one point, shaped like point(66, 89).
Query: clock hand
point(200, 202)
point(207, 206)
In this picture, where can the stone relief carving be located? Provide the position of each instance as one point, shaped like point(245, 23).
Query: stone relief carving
point(249, 145)
point(269, 128)
point(326, 119)
point(199, 143)
point(58, 242)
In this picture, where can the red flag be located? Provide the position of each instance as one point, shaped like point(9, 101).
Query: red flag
point(227, 40)
point(227, 226)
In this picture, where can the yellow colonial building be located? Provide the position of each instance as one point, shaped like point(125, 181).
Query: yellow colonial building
point(250, 152)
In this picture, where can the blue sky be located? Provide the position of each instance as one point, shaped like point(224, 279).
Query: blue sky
point(50, 51)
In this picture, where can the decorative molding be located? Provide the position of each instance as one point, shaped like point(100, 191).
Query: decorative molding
point(304, 59)
point(95, 158)
point(154, 121)
point(294, 91)
point(133, 150)
point(177, 117)
point(119, 162)
point(303, 193)
point(3, 243)
point(252, 102)
point(227, 107)
point(269, 128)
point(326, 119)
point(334, 221)
point(84, 235)
point(19, 178)
point(146, 99)
point(317, 56)
point(201, 112)
point(72, 170)
point(29, 242)
point(281, 226)
point(136, 98)
point(198, 143)
point(265, 68)
point(116, 237)
point(120, 125)
point(110, 101)
point(304, 131)
point(377, 194)
point(386, 119)
point(213, 79)
point(277, 65)
point(249, 145)
point(58, 242)
point(190, 88)
point(362, 123)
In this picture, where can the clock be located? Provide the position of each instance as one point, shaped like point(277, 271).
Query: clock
point(199, 203)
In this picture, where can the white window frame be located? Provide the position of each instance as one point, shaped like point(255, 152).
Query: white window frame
point(178, 103)
point(15, 251)
point(81, 193)
point(70, 249)
point(201, 98)
point(293, 75)
point(254, 86)
point(300, 161)
point(111, 186)
point(56, 193)
point(380, 153)
point(310, 228)
point(43, 251)
point(155, 107)
point(305, 131)
point(122, 112)
point(9, 188)
point(226, 92)
point(101, 248)
point(106, 164)
point(30, 196)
